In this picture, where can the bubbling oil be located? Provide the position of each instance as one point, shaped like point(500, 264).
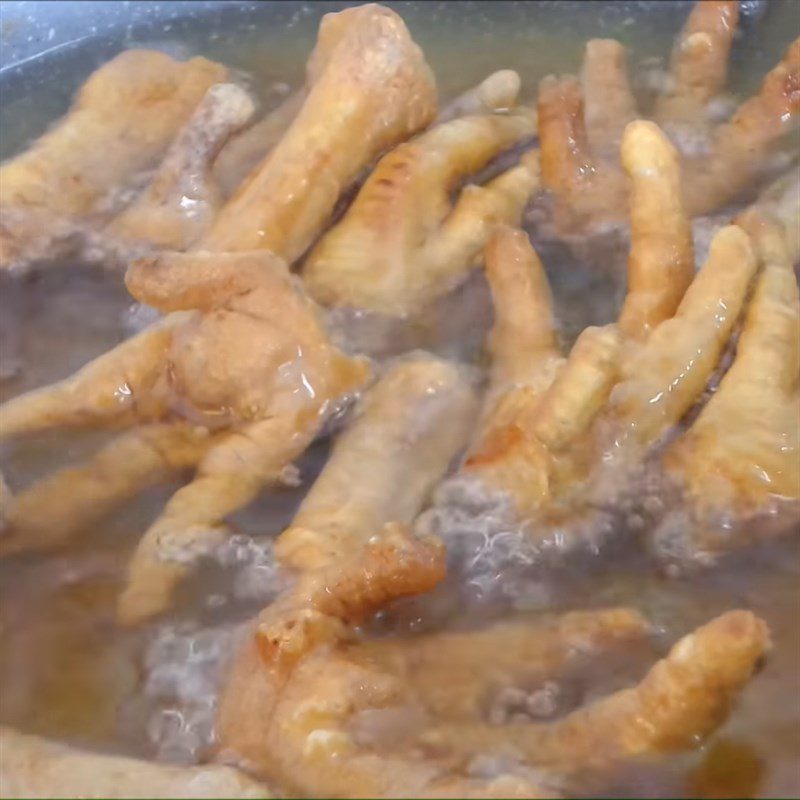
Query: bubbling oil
point(69, 672)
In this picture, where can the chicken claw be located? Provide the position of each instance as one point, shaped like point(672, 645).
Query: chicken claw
point(742, 454)
point(541, 406)
point(121, 123)
point(367, 75)
point(298, 721)
point(238, 378)
point(581, 124)
point(351, 522)
point(681, 700)
point(308, 696)
point(564, 440)
point(400, 245)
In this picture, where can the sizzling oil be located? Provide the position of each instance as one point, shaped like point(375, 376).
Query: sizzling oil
point(68, 672)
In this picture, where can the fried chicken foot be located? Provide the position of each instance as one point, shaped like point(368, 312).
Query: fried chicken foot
point(564, 440)
point(400, 245)
point(381, 470)
point(305, 684)
point(368, 76)
point(699, 65)
point(122, 122)
point(182, 199)
point(32, 767)
point(681, 701)
point(541, 405)
point(250, 363)
point(305, 728)
point(581, 123)
point(310, 738)
point(728, 460)
point(741, 148)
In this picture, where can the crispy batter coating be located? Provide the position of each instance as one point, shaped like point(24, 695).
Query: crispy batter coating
point(36, 768)
point(368, 76)
point(581, 124)
point(400, 244)
point(121, 123)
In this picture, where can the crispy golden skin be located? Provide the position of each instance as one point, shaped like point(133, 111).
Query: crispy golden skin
point(367, 76)
point(37, 768)
point(242, 356)
point(581, 124)
point(122, 122)
point(555, 430)
point(401, 245)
